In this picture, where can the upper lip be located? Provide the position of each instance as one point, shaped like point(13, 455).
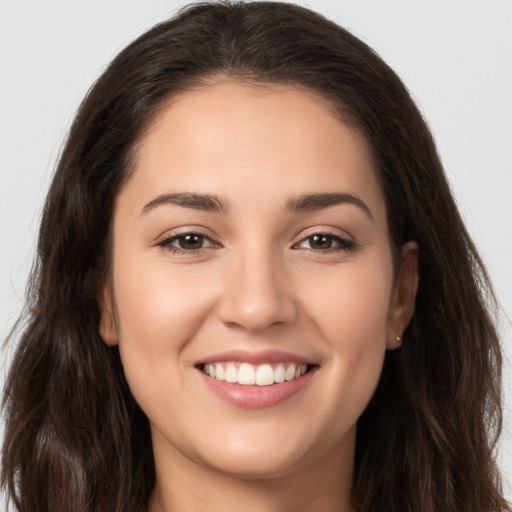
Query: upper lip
point(265, 356)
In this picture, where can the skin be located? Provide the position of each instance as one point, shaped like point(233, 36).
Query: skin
point(257, 283)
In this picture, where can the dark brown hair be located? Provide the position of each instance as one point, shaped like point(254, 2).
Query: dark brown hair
point(76, 440)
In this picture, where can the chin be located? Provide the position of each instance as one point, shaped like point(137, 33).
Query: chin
point(254, 466)
point(265, 453)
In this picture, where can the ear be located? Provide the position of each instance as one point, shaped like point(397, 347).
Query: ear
point(108, 325)
point(401, 306)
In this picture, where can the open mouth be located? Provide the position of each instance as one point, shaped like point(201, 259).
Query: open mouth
point(248, 374)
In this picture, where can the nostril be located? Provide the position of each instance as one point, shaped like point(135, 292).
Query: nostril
point(257, 302)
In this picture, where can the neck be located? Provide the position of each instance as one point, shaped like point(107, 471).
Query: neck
point(185, 486)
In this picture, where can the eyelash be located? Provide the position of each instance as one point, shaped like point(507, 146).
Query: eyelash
point(343, 243)
point(167, 243)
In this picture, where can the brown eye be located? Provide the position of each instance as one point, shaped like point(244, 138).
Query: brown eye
point(324, 242)
point(319, 242)
point(187, 243)
point(190, 241)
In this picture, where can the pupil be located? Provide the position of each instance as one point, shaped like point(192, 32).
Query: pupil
point(321, 242)
point(191, 241)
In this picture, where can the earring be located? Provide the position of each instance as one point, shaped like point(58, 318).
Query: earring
point(398, 339)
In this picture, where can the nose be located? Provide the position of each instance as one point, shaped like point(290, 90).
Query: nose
point(258, 294)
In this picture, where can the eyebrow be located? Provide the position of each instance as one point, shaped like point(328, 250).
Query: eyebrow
point(203, 202)
point(212, 203)
point(313, 202)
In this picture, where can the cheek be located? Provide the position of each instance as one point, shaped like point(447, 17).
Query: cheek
point(157, 299)
point(352, 304)
point(351, 315)
point(158, 312)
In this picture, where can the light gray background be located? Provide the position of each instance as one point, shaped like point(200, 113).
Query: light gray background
point(455, 56)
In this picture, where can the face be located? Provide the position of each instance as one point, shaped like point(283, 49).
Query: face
point(253, 293)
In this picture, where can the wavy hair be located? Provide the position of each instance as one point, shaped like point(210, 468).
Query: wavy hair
point(75, 439)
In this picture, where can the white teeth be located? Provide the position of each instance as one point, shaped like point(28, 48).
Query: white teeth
point(259, 375)
point(279, 373)
point(219, 372)
point(231, 374)
point(246, 374)
point(264, 375)
point(301, 370)
point(290, 372)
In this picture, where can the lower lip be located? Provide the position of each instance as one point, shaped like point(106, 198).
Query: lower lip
point(257, 397)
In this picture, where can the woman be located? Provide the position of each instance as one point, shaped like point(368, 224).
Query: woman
point(249, 253)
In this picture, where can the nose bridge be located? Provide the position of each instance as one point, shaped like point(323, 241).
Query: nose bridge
point(257, 294)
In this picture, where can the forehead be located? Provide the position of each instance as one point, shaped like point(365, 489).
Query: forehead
point(253, 142)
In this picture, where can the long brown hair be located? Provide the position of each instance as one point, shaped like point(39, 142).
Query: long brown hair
point(76, 440)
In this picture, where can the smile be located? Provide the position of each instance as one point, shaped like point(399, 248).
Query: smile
point(255, 375)
point(256, 380)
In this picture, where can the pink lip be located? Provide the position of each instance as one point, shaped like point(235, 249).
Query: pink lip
point(256, 397)
point(245, 356)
